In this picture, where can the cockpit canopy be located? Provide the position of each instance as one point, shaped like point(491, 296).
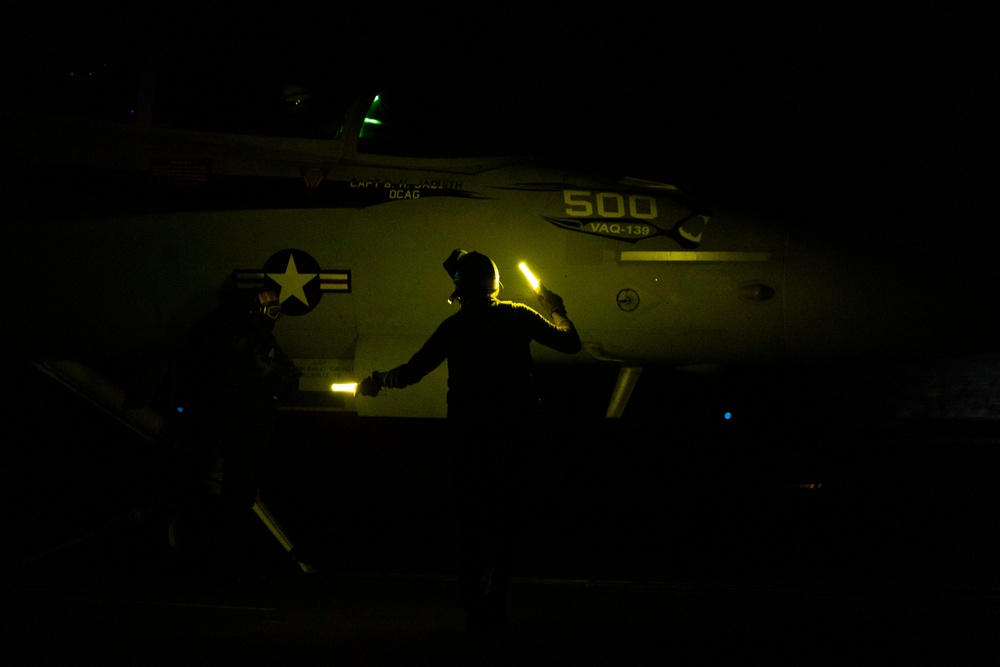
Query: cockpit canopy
point(270, 94)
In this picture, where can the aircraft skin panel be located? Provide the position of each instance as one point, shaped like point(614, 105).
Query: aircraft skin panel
point(652, 301)
point(398, 289)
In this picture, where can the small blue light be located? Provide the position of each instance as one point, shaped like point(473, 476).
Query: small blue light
point(728, 415)
point(180, 408)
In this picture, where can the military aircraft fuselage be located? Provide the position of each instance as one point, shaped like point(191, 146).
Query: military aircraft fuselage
point(118, 236)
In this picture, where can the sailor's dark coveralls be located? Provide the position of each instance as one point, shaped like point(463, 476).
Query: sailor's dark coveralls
point(493, 415)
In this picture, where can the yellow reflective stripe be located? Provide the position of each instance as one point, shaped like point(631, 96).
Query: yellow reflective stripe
point(689, 256)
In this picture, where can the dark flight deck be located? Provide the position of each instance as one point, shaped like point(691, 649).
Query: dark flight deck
point(651, 543)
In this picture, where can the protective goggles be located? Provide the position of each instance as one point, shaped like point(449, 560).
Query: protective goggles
point(269, 305)
point(271, 311)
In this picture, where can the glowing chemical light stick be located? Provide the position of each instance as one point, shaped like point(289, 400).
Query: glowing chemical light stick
point(349, 387)
point(529, 275)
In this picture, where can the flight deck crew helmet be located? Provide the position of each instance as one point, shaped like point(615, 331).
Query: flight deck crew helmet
point(473, 273)
point(268, 305)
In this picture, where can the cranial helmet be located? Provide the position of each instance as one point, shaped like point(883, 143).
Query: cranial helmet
point(267, 305)
point(474, 275)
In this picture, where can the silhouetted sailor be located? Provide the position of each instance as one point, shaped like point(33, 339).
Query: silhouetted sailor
point(230, 375)
point(493, 411)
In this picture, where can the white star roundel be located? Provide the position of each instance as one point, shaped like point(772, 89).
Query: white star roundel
point(296, 293)
point(297, 278)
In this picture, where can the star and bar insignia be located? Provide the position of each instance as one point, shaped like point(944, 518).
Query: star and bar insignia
point(296, 277)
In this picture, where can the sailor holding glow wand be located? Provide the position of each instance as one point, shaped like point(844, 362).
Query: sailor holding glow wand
point(551, 302)
point(494, 416)
point(487, 342)
point(536, 285)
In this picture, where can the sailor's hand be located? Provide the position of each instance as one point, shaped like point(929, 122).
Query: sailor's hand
point(370, 386)
point(550, 301)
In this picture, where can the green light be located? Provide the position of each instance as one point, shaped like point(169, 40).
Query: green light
point(371, 118)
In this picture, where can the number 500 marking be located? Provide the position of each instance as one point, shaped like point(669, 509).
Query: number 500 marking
point(581, 204)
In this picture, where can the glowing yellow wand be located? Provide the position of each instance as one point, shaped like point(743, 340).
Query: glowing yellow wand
point(529, 275)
